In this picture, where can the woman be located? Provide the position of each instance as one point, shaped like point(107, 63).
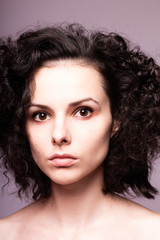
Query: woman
point(79, 128)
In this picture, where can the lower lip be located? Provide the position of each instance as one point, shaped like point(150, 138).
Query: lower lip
point(63, 162)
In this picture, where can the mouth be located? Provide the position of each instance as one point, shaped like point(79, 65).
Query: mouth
point(63, 160)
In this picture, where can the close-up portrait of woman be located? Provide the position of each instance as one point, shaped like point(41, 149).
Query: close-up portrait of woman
point(79, 128)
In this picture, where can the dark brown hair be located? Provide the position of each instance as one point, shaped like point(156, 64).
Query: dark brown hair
point(131, 80)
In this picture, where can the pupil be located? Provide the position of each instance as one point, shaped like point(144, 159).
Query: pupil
point(84, 112)
point(42, 116)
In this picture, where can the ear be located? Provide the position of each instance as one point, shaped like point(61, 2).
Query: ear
point(115, 127)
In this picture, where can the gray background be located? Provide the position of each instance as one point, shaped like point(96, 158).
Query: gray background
point(138, 20)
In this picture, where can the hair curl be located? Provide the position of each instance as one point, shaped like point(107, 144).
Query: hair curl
point(131, 80)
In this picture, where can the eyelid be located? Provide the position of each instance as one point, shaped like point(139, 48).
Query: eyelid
point(35, 114)
point(85, 108)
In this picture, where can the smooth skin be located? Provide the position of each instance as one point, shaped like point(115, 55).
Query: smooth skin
point(70, 114)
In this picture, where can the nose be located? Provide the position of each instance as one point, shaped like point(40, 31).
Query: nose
point(61, 133)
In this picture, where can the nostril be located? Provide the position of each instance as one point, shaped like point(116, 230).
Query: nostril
point(60, 141)
point(63, 141)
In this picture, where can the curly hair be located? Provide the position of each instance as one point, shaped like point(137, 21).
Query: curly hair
point(131, 80)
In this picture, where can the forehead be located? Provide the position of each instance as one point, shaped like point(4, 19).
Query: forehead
point(67, 80)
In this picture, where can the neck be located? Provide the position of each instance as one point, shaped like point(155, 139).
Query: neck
point(80, 202)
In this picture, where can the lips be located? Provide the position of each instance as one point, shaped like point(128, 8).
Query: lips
point(63, 160)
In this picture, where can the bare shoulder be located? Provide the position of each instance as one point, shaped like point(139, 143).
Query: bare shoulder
point(143, 221)
point(8, 227)
point(12, 226)
point(147, 224)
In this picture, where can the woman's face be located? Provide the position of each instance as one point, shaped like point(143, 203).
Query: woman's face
point(68, 122)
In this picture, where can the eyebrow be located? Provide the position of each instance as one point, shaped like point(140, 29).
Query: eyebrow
point(70, 105)
point(83, 100)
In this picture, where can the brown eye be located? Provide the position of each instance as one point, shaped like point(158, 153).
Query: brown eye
point(40, 116)
point(84, 112)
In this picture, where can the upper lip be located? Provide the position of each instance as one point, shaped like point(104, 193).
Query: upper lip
point(65, 155)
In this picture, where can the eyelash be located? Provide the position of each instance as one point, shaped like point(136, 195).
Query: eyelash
point(47, 116)
point(36, 114)
point(88, 109)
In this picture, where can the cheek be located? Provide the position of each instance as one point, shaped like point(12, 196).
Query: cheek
point(38, 154)
point(94, 139)
point(37, 135)
point(100, 144)
point(35, 148)
point(35, 141)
